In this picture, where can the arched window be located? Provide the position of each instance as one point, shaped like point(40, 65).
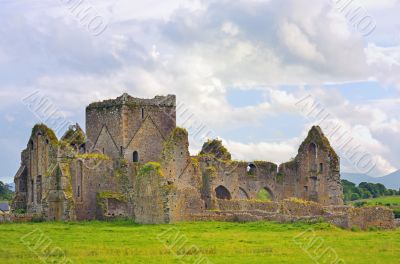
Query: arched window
point(265, 194)
point(135, 156)
point(243, 194)
point(251, 169)
point(312, 148)
point(222, 193)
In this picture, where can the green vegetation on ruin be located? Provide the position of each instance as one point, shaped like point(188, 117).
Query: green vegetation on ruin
point(179, 133)
point(316, 136)
point(47, 132)
point(176, 136)
point(280, 177)
point(215, 148)
point(220, 243)
point(149, 167)
point(97, 156)
point(74, 136)
point(263, 195)
point(111, 195)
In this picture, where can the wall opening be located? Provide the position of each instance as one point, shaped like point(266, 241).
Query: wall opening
point(312, 148)
point(79, 181)
point(251, 169)
point(135, 156)
point(321, 167)
point(32, 191)
point(23, 181)
point(142, 113)
point(265, 194)
point(243, 194)
point(312, 152)
point(39, 189)
point(82, 149)
point(222, 193)
point(31, 144)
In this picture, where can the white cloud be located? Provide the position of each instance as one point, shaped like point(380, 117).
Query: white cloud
point(199, 50)
point(299, 44)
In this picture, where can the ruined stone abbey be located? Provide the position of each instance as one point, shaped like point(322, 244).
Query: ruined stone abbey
point(133, 162)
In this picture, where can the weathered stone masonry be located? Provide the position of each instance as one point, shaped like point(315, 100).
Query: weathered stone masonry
point(133, 162)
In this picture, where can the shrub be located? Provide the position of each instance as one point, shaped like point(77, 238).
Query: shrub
point(397, 213)
point(360, 204)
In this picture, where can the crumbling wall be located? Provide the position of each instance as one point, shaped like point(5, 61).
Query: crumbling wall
point(314, 173)
point(152, 195)
point(92, 174)
point(182, 171)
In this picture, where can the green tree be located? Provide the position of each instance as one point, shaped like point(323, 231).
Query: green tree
point(5, 192)
point(355, 196)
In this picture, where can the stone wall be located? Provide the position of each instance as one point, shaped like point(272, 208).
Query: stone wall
point(152, 195)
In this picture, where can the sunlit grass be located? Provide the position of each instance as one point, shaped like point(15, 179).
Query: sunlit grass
point(126, 242)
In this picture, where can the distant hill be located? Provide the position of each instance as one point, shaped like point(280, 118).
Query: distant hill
point(391, 181)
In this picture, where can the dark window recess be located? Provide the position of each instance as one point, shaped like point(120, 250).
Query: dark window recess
point(321, 167)
point(135, 156)
point(142, 113)
point(222, 193)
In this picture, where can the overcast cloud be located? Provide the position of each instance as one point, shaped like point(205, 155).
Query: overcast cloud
point(206, 52)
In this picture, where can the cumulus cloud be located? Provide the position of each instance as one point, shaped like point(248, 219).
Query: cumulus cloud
point(200, 50)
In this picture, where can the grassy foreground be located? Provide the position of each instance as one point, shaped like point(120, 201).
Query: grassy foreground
point(126, 242)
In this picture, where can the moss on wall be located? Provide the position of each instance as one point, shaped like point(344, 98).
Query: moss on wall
point(74, 136)
point(316, 136)
point(111, 195)
point(148, 168)
point(177, 135)
point(280, 177)
point(97, 156)
point(46, 131)
point(215, 148)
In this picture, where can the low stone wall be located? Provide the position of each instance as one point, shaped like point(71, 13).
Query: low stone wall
point(296, 207)
point(4, 218)
point(247, 205)
point(368, 217)
point(10, 218)
point(292, 210)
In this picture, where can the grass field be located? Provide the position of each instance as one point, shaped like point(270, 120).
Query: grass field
point(392, 202)
point(126, 242)
point(385, 200)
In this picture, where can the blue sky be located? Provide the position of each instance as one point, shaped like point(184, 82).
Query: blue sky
point(238, 67)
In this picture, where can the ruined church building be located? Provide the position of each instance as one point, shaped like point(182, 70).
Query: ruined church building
point(133, 162)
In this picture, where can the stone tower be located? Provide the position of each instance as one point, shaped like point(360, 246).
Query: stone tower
point(130, 127)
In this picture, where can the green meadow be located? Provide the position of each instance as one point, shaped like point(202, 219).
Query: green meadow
point(200, 242)
point(384, 200)
point(393, 202)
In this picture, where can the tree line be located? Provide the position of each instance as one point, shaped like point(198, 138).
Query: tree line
point(5, 192)
point(365, 190)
